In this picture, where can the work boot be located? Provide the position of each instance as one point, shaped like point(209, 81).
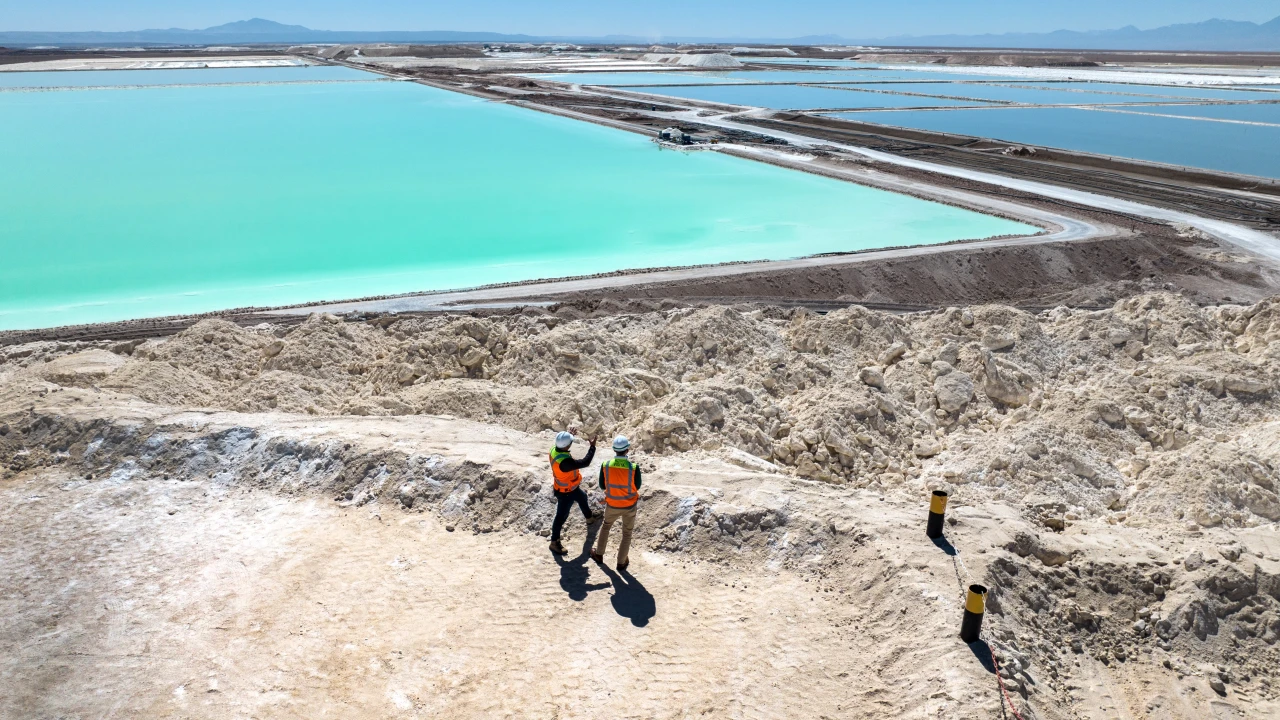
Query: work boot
point(594, 518)
point(622, 567)
point(557, 548)
point(597, 557)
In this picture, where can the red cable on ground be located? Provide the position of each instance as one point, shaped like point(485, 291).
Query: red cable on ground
point(1000, 681)
point(994, 661)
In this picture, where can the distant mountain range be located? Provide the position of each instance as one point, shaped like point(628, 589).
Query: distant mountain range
point(1212, 35)
point(1216, 35)
point(256, 31)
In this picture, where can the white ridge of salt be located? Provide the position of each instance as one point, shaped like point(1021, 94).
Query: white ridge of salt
point(1091, 74)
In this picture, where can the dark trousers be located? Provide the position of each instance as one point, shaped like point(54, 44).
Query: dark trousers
point(564, 502)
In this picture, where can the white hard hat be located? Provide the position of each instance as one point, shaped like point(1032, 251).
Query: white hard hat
point(621, 444)
point(564, 439)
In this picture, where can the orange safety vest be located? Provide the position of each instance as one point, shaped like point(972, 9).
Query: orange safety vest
point(620, 483)
point(564, 481)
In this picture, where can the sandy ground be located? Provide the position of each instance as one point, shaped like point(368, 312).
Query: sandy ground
point(184, 599)
point(349, 519)
point(137, 596)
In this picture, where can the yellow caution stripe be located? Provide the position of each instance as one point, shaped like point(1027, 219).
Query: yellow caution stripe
point(976, 603)
point(938, 505)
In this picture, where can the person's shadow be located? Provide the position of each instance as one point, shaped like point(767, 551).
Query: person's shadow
point(574, 573)
point(630, 599)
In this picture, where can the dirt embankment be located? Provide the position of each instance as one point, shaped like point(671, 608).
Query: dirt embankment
point(852, 396)
point(1089, 273)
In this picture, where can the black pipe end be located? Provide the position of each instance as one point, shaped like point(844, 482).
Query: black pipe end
point(971, 626)
point(934, 528)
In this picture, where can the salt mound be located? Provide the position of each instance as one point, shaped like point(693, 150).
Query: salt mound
point(712, 60)
point(164, 384)
point(717, 60)
point(81, 369)
point(218, 349)
point(198, 366)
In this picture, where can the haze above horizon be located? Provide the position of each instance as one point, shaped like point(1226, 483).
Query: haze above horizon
point(719, 18)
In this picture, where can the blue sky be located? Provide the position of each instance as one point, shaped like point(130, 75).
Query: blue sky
point(724, 18)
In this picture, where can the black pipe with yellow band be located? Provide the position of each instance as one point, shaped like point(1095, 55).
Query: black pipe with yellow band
point(975, 604)
point(937, 512)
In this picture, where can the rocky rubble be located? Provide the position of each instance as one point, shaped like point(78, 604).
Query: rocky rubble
point(1216, 621)
point(1154, 411)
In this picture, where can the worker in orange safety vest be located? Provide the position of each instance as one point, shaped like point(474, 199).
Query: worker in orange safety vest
point(620, 480)
point(566, 472)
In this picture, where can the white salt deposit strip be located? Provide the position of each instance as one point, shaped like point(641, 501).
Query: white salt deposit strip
point(1093, 75)
point(73, 88)
point(141, 64)
point(1114, 109)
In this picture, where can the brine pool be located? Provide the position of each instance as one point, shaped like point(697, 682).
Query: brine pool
point(1242, 139)
point(1214, 125)
point(258, 190)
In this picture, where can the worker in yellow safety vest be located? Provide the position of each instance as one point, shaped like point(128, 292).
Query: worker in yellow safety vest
point(620, 480)
point(566, 472)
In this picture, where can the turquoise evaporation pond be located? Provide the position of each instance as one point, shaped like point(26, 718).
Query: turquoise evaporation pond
point(1025, 95)
point(798, 97)
point(1247, 149)
point(139, 203)
point(200, 76)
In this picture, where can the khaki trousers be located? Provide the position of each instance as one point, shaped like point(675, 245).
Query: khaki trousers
point(628, 517)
